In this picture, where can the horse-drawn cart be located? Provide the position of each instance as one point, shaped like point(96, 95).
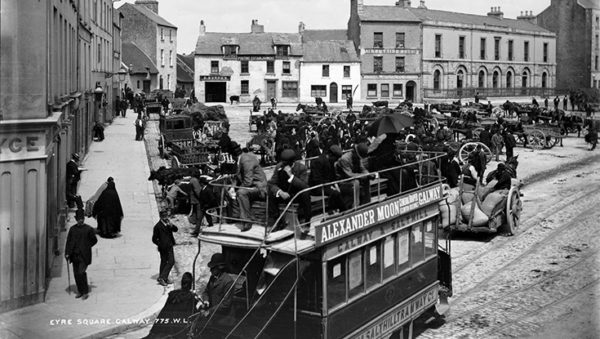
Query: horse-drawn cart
point(541, 136)
point(173, 128)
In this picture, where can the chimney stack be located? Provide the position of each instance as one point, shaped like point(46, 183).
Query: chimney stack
point(256, 28)
point(202, 28)
point(528, 16)
point(403, 3)
point(422, 5)
point(150, 4)
point(496, 13)
point(301, 27)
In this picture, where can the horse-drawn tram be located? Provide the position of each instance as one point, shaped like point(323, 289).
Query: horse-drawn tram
point(367, 272)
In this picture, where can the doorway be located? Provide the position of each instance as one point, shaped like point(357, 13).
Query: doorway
point(215, 92)
point(146, 86)
point(271, 89)
point(333, 93)
point(410, 91)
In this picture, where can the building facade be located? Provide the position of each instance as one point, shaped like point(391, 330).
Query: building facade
point(49, 73)
point(577, 27)
point(185, 72)
point(266, 65)
point(415, 54)
point(155, 37)
point(329, 69)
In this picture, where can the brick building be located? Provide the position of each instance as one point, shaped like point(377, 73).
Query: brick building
point(155, 37)
point(247, 64)
point(577, 27)
point(410, 53)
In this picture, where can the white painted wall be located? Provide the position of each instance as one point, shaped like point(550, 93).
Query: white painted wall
point(312, 74)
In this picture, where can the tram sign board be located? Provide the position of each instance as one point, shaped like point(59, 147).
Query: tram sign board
point(399, 315)
point(365, 218)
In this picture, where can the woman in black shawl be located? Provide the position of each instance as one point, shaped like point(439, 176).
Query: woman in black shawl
point(108, 211)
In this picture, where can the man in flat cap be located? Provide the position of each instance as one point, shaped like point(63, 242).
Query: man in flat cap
point(352, 165)
point(289, 178)
point(322, 172)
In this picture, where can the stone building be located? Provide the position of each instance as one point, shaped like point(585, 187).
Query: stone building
point(577, 27)
point(410, 53)
point(49, 73)
point(247, 65)
point(185, 72)
point(155, 37)
point(329, 67)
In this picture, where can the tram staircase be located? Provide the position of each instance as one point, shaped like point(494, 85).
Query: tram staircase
point(276, 285)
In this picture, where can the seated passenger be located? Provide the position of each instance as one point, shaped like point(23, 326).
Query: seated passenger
point(289, 178)
point(351, 165)
point(322, 171)
point(253, 184)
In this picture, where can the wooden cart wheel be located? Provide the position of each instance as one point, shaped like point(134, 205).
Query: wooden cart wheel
point(469, 148)
point(514, 206)
point(551, 141)
point(175, 162)
point(536, 139)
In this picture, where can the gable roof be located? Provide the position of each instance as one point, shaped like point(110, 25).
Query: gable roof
point(149, 14)
point(132, 55)
point(589, 4)
point(324, 34)
point(250, 43)
point(185, 68)
point(411, 14)
point(330, 51)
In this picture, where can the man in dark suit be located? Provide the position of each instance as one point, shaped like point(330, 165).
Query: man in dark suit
point(206, 199)
point(163, 238)
point(289, 177)
point(322, 171)
point(73, 177)
point(252, 184)
point(78, 251)
point(216, 290)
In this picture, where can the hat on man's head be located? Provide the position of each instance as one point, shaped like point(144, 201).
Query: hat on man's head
point(217, 259)
point(163, 213)
point(362, 149)
point(236, 148)
point(75, 156)
point(288, 155)
point(79, 215)
point(336, 151)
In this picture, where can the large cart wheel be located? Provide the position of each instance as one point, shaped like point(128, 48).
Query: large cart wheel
point(470, 147)
point(175, 162)
point(476, 132)
point(514, 206)
point(551, 141)
point(536, 139)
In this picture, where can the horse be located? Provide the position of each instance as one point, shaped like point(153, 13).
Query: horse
point(235, 98)
point(383, 103)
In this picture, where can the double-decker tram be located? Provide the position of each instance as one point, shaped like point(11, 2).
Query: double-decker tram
point(367, 272)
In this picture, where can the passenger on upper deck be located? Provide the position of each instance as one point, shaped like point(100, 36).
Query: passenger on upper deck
point(322, 171)
point(351, 165)
point(289, 177)
point(253, 184)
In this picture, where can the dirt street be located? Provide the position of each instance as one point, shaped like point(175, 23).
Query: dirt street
point(542, 282)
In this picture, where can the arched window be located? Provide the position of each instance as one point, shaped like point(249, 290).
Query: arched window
point(481, 82)
point(525, 79)
point(544, 80)
point(460, 75)
point(160, 83)
point(509, 80)
point(495, 79)
point(436, 79)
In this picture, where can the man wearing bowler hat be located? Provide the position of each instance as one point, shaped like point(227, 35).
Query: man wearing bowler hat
point(322, 172)
point(351, 165)
point(289, 178)
point(163, 238)
point(218, 290)
point(78, 251)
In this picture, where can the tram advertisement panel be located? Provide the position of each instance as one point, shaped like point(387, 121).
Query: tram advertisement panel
point(333, 230)
point(398, 316)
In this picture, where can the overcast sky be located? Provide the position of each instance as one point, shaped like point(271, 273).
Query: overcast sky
point(284, 15)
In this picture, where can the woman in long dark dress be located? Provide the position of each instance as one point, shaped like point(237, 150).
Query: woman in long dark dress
point(108, 211)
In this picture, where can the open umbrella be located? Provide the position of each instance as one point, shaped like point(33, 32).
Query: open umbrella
point(389, 123)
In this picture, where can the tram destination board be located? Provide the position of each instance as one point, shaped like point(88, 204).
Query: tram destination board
point(358, 221)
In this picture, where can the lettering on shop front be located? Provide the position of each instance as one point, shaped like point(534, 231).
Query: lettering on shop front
point(14, 147)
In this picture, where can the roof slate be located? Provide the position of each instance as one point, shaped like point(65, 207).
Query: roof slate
point(401, 14)
point(324, 34)
point(150, 15)
point(132, 55)
point(250, 43)
point(330, 51)
point(589, 4)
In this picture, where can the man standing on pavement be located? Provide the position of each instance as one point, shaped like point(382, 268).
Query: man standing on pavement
point(78, 251)
point(163, 238)
point(73, 177)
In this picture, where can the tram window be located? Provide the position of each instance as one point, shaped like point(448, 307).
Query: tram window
point(429, 234)
point(388, 257)
point(336, 281)
point(309, 286)
point(403, 250)
point(356, 281)
point(416, 244)
point(373, 258)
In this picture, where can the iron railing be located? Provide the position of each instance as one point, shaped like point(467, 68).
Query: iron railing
point(485, 92)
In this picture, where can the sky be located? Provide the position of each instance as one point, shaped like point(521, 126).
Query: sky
point(284, 15)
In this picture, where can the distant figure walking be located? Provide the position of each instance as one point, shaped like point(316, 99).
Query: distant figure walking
point(349, 102)
point(256, 104)
point(139, 128)
point(78, 251)
point(108, 211)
